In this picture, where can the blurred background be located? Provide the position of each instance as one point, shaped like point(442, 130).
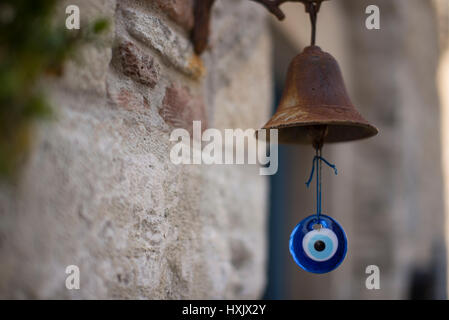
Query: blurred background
point(86, 178)
point(389, 193)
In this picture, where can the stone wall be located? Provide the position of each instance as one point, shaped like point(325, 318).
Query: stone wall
point(98, 189)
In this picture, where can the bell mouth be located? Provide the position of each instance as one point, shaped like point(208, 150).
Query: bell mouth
point(336, 132)
point(296, 124)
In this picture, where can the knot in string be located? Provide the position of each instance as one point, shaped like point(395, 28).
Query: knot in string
point(317, 161)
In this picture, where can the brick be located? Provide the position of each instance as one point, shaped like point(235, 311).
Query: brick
point(174, 48)
point(180, 108)
point(180, 11)
point(138, 65)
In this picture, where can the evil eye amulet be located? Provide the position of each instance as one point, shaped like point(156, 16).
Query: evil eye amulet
point(320, 249)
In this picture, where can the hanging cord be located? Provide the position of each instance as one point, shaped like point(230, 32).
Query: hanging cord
point(317, 162)
point(312, 9)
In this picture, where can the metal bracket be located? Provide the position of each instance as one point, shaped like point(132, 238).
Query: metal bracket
point(202, 14)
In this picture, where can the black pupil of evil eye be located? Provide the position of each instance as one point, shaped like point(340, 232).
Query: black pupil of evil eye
point(319, 245)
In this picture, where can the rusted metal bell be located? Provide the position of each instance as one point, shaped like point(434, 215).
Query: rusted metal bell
point(315, 107)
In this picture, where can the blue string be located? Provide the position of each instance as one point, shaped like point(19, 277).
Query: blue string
point(316, 162)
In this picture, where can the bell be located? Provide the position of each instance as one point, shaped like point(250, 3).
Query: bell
point(315, 107)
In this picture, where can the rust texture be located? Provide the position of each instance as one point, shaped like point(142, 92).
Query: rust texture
point(201, 28)
point(273, 5)
point(202, 14)
point(315, 107)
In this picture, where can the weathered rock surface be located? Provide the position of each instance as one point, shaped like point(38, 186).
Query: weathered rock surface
point(99, 191)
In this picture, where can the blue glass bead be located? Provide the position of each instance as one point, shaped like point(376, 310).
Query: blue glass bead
point(318, 250)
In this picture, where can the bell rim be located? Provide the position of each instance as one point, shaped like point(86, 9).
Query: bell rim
point(374, 129)
point(370, 130)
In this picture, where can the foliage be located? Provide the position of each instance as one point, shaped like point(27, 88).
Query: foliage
point(31, 45)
